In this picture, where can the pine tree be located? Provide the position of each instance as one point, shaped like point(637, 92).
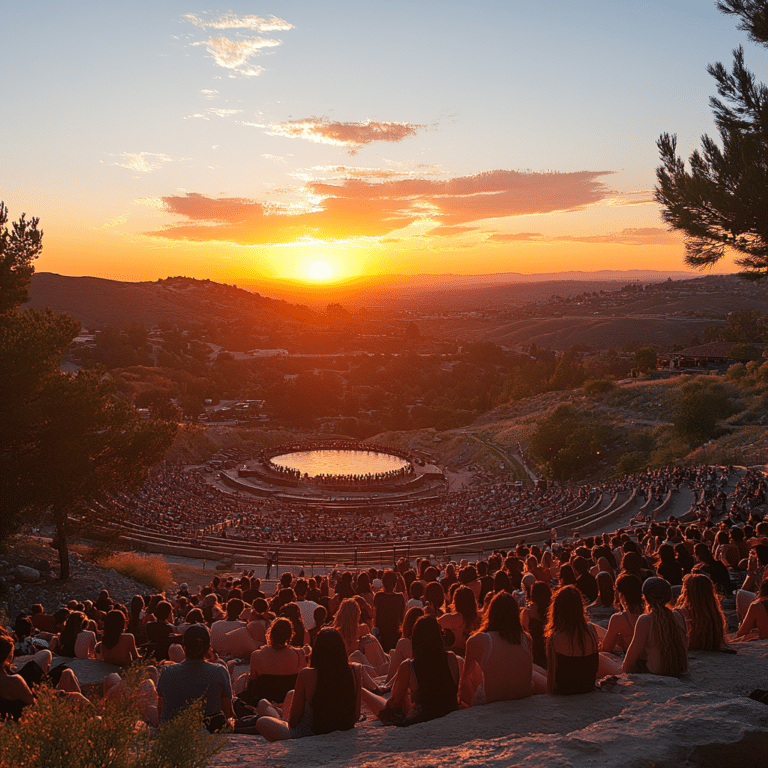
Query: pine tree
point(722, 201)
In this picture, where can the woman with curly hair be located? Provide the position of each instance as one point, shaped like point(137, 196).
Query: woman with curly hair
point(702, 612)
point(660, 642)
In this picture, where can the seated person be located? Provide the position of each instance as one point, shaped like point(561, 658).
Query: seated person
point(75, 641)
point(41, 621)
point(327, 696)
point(426, 687)
point(275, 666)
point(195, 678)
point(498, 665)
point(219, 629)
point(756, 620)
point(660, 642)
point(621, 626)
point(404, 648)
point(117, 646)
point(161, 633)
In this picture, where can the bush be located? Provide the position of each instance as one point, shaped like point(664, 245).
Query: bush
point(599, 387)
point(53, 733)
point(151, 570)
point(736, 371)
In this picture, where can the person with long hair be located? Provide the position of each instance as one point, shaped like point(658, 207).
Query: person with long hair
point(76, 640)
point(667, 565)
point(621, 626)
point(572, 645)
point(462, 620)
point(327, 695)
point(604, 605)
point(425, 687)
point(275, 666)
point(404, 648)
point(357, 641)
point(300, 636)
point(497, 665)
point(702, 612)
point(756, 618)
point(660, 641)
point(117, 646)
point(534, 619)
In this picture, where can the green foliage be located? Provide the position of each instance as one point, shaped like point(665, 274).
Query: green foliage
point(55, 734)
point(700, 405)
point(736, 371)
point(19, 246)
point(567, 445)
point(645, 359)
point(631, 463)
point(721, 202)
point(744, 351)
point(598, 387)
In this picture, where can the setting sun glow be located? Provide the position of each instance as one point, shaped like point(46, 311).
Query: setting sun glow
point(320, 270)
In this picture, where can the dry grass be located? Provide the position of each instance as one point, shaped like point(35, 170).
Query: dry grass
point(148, 569)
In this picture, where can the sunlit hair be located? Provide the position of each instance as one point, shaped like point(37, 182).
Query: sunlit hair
point(630, 588)
point(566, 615)
point(347, 620)
point(464, 603)
point(671, 638)
point(293, 613)
point(335, 693)
point(435, 596)
point(567, 576)
point(706, 622)
point(366, 614)
point(503, 616)
point(279, 633)
point(412, 615)
point(114, 626)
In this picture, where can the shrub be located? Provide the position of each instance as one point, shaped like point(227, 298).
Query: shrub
point(598, 387)
point(53, 733)
point(148, 569)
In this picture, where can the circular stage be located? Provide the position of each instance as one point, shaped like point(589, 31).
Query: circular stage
point(340, 463)
point(340, 474)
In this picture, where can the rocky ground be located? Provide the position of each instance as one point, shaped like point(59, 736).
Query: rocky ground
point(29, 574)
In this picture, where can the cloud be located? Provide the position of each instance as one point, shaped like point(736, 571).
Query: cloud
point(214, 111)
point(354, 207)
point(639, 236)
point(143, 162)
point(370, 174)
point(234, 54)
point(448, 231)
point(256, 23)
point(640, 197)
point(511, 237)
point(352, 136)
point(208, 93)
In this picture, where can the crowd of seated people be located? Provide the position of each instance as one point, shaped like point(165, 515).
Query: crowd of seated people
point(418, 640)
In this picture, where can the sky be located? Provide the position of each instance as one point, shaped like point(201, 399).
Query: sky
point(318, 140)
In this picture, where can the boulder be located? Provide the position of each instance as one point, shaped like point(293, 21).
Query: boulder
point(25, 573)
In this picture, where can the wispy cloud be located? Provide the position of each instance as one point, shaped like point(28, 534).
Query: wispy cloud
point(234, 51)
point(512, 237)
point(142, 162)
point(638, 236)
point(351, 136)
point(235, 54)
point(215, 111)
point(230, 21)
point(208, 93)
point(351, 208)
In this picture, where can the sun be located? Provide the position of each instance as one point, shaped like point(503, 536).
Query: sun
point(320, 270)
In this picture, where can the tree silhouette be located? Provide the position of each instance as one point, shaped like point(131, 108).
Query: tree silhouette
point(722, 202)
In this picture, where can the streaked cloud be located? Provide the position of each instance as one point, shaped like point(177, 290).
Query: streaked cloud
point(215, 111)
point(208, 93)
point(512, 237)
point(639, 197)
point(230, 21)
point(639, 236)
point(355, 207)
point(351, 136)
point(142, 162)
point(449, 231)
